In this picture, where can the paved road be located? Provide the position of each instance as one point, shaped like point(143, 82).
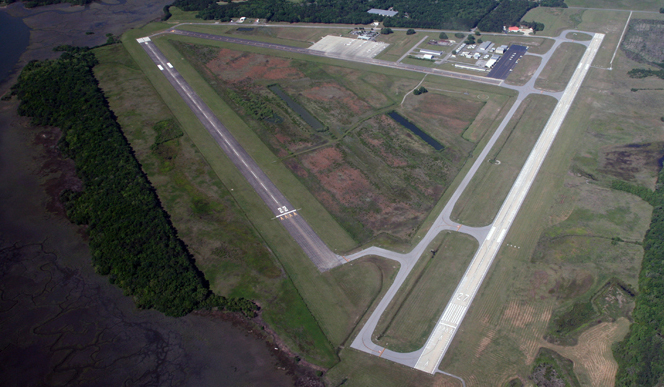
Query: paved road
point(283, 210)
point(456, 309)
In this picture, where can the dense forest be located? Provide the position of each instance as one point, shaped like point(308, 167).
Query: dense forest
point(131, 237)
point(434, 14)
point(507, 13)
point(640, 355)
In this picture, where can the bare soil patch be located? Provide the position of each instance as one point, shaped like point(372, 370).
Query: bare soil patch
point(380, 179)
point(630, 161)
point(235, 66)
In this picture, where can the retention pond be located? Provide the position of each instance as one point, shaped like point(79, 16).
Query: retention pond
point(417, 131)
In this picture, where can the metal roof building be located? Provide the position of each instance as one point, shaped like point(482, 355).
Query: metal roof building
point(382, 12)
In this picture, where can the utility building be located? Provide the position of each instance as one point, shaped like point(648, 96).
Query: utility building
point(382, 12)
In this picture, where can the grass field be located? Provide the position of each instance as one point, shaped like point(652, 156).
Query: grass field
point(578, 36)
point(524, 70)
point(412, 314)
point(641, 5)
point(358, 369)
point(400, 43)
point(493, 180)
point(559, 69)
point(504, 328)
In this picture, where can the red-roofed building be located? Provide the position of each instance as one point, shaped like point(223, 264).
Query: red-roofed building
point(513, 29)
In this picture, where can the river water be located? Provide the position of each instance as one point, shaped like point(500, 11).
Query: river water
point(14, 38)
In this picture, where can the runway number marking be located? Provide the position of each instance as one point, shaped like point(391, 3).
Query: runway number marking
point(285, 213)
point(462, 297)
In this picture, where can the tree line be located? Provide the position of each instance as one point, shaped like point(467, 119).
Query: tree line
point(489, 15)
point(640, 355)
point(131, 237)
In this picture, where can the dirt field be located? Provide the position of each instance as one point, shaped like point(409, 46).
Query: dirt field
point(372, 174)
point(379, 179)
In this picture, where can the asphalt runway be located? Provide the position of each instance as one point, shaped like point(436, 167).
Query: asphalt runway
point(447, 326)
point(282, 209)
point(502, 68)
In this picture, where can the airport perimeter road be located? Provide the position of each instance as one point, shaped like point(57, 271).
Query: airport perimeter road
point(456, 309)
point(306, 51)
point(283, 210)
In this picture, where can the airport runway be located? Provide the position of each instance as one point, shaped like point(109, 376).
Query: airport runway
point(282, 209)
point(456, 309)
point(490, 237)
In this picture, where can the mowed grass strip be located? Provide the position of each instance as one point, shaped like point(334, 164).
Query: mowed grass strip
point(481, 200)
point(559, 69)
point(399, 44)
point(524, 70)
point(411, 316)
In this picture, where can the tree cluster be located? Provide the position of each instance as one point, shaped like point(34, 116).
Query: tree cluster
point(532, 24)
point(433, 14)
point(640, 355)
point(420, 90)
point(507, 13)
point(131, 237)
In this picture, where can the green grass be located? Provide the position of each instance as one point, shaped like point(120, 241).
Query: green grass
point(578, 36)
point(605, 114)
point(559, 69)
point(493, 181)
point(400, 43)
point(641, 5)
point(524, 70)
point(323, 297)
point(178, 15)
point(412, 314)
point(358, 369)
point(225, 245)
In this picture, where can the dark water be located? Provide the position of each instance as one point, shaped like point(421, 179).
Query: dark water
point(410, 126)
point(306, 116)
point(14, 38)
